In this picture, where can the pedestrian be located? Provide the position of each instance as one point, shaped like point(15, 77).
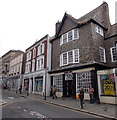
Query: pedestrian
point(20, 89)
point(54, 89)
point(26, 89)
point(91, 92)
point(2, 86)
point(51, 91)
point(81, 97)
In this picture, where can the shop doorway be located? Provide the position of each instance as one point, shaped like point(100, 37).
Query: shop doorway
point(69, 88)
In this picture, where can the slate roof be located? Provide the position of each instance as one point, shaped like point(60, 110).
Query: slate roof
point(88, 16)
point(84, 19)
point(113, 29)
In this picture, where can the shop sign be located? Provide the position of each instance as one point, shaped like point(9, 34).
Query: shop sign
point(108, 85)
point(68, 75)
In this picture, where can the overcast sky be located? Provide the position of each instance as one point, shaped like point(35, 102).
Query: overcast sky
point(22, 22)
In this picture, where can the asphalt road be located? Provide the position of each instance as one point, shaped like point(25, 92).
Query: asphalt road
point(22, 107)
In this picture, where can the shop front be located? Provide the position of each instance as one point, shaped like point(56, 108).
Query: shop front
point(26, 83)
point(68, 83)
point(39, 85)
point(107, 82)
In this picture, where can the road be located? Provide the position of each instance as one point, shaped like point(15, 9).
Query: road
point(23, 107)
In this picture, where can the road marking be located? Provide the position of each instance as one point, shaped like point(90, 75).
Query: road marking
point(11, 98)
point(34, 113)
point(19, 107)
point(25, 110)
point(2, 102)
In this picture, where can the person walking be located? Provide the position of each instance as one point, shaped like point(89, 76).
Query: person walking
point(54, 89)
point(91, 91)
point(27, 89)
point(81, 97)
point(20, 89)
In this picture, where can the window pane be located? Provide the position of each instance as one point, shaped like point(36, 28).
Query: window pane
point(76, 55)
point(58, 82)
point(83, 80)
point(70, 36)
point(70, 57)
point(114, 54)
point(64, 38)
point(102, 54)
point(64, 58)
point(76, 34)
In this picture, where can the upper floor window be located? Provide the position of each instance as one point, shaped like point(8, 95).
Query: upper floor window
point(69, 57)
point(33, 65)
point(41, 49)
point(99, 30)
point(40, 63)
point(102, 54)
point(28, 66)
point(113, 54)
point(69, 36)
point(34, 52)
point(29, 55)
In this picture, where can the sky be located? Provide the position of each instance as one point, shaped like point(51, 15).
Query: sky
point(23, 22)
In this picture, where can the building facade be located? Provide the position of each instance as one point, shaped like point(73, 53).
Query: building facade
point(37, 63)
point(16, 72)
point(5, 64)
point(79, 49)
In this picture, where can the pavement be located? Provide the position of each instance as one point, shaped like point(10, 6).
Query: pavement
point(107, 111)
point(2, 102)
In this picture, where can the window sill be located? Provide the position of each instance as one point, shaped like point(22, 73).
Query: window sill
point(109, 95)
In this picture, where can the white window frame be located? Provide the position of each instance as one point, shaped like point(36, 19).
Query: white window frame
point(28, 55)
point(39, 61)
point(67, 34)
point(66, 59)
point(82, 79)
point(73, 53)
point(102, 58)
point(28, 65)
point(41, 49)
point(77, 36)
point(38, 51)
point(99, 30)
point(34, 52)
point(33, 65)
point(112, 54)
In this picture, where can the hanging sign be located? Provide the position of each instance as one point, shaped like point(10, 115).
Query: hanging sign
point(68, 75)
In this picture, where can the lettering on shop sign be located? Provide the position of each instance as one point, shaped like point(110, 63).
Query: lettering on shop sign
point(108, 87)
point(69, 76)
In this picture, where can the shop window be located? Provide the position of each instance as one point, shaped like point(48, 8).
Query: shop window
point(39, 84)
point(83, 80)
point(107, 84)
point(58, 82)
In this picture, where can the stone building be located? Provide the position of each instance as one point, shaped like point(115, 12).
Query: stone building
point(16, 72)
point(5, 63)
point(80, 48)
